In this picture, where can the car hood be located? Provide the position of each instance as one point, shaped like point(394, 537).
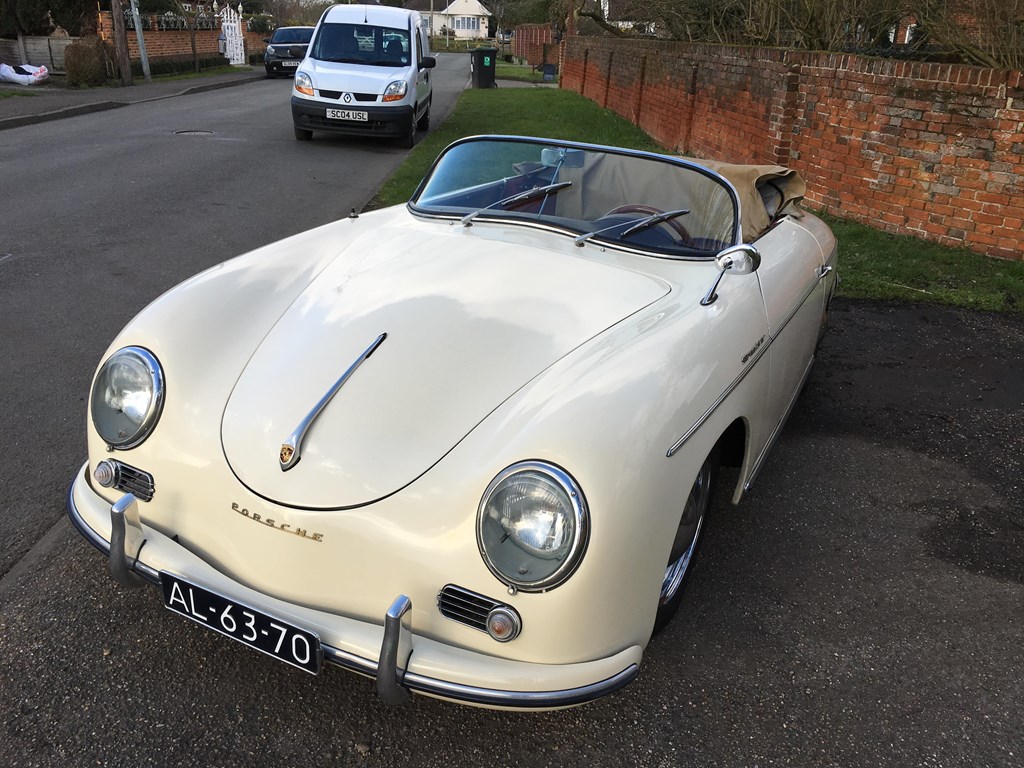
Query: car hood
point(468, 320)
point(351, 78)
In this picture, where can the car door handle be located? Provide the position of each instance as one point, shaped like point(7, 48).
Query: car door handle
point(823, 270)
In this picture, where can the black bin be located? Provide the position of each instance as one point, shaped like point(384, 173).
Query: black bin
point(482, 67)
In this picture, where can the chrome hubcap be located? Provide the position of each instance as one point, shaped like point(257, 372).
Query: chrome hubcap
point(687, 534)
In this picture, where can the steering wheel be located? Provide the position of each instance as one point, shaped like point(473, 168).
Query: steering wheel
point(648, 210)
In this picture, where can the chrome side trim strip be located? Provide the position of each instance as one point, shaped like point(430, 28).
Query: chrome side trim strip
point(460, 692)
point(743, 374)
point(721, 399)
point(291, 449)
point(778, 427)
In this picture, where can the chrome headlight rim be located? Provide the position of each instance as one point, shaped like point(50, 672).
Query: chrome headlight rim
point(581, 517)
point(156, 404)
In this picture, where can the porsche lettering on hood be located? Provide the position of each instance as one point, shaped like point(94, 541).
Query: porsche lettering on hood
point(468, 320)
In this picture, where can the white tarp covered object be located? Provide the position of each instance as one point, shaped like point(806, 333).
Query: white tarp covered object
point(24, 74)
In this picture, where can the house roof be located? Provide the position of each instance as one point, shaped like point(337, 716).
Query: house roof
point(444, 7)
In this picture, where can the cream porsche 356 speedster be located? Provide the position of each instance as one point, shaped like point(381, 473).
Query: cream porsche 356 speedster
point(466, 445)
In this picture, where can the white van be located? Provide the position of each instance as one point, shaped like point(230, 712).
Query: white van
point(366, 73)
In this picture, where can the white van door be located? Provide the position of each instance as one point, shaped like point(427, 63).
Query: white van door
point(423, 87)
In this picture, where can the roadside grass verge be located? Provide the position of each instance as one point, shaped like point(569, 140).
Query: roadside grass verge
point(6, 94)
point(876, 265)
point(223, 70)
point(520, 72)
point(872, 263)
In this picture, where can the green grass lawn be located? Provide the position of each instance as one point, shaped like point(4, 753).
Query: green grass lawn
point(521, 72)
point(872, 264)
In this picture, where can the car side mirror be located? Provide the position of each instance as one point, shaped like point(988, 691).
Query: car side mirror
point(428, 62)
point(742, 259)
point(266, 39)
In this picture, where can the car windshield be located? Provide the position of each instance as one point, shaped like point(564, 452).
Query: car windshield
point(291, 36)
point(634, 200)
point(362, 44)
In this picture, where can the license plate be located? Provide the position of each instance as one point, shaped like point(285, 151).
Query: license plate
point(256, 629)
point(289, 63)
point(347, 114)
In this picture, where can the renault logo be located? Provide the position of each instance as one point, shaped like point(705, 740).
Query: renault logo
point(347, 98)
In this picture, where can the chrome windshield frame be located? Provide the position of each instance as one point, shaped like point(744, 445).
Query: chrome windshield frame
point(552, 225)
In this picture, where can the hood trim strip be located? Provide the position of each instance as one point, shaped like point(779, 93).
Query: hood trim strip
point(291, 449)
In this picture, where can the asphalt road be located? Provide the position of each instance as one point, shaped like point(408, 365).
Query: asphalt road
point(863, 606)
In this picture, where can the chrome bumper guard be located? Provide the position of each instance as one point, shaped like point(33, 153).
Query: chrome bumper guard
point(394, 681)
point(125, 510)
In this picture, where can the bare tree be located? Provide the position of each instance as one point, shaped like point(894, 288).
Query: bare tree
point(196, 13)
point(985, 32)
point(121, 55)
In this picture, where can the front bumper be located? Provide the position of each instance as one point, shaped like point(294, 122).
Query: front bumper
point(381, 121)
point(281, 66)
point(429, 668)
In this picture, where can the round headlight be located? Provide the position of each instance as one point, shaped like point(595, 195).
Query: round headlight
point(127, 397)
point(532, 526)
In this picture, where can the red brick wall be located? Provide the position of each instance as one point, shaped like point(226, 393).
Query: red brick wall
point(925, 149)
point(175, 42)
point(529, 43)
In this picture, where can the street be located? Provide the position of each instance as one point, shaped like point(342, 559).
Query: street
point(862, 606)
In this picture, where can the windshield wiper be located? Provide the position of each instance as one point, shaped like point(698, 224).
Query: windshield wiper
point(641, 225)
point(520, 197)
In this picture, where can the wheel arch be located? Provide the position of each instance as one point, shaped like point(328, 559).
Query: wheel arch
point(733, 448)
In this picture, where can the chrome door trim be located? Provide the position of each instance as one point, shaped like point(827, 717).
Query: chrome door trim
point(743, 374)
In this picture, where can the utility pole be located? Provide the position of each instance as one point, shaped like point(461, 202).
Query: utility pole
point(142, 41)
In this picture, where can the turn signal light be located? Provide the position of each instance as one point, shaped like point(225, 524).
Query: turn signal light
point(503, 624)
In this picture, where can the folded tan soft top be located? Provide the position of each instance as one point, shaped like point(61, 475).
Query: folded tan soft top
point(764, 191)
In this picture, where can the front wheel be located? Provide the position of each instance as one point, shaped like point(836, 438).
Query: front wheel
point(409, 139)
point(423, 124)
point(687, 541)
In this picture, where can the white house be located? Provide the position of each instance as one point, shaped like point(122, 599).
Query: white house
point(464, 18)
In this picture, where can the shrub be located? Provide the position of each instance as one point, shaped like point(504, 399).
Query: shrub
point(85, 62)
point(260, 24)
point(174, 65)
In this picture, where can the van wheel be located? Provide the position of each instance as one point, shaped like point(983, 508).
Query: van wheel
point(409, 139)
point(302, 134)
point(423, 123)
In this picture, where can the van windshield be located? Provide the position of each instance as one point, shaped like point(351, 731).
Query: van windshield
point(362, 44)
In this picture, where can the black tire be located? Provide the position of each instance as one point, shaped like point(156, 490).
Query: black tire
point(687, 541)
point(302, 134)
point(423, 124)
point(409, 139)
